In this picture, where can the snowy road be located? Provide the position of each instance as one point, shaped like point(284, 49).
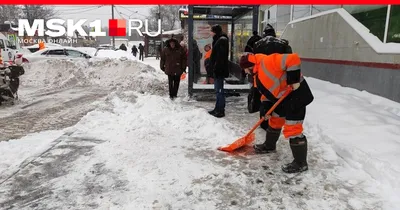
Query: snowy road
point(137, 151)
point(48, 110)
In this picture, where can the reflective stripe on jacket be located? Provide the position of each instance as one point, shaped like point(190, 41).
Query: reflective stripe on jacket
point(275, 72)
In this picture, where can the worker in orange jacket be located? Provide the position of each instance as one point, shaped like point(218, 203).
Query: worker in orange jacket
point(207, 55)
point(273, 74)
point(41, 46)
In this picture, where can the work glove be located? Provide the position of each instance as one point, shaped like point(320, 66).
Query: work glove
point(295, 86)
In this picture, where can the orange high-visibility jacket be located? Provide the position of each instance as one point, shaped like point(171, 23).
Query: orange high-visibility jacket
point(274, 73)
point(207, 55)
point(41, 46)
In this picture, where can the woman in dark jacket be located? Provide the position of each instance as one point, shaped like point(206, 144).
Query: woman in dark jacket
point(173, 63)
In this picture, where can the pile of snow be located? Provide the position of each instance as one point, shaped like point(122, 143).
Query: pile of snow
point(117, 54)
point(362, 128)
point(165, 154)
point(151, 143)
point(154, 153)
point(109, 73)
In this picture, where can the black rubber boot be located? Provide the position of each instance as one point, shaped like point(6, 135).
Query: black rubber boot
point(298, 146)
point(269, 145)
point(219, 114)
point(212, 112)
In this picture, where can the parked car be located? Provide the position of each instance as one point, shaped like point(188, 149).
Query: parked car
point(56, 53)
point(107, 48)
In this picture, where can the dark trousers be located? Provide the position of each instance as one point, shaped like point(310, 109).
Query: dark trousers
point(141, 57)
point(288, 117)
point(134, 54)
point(290, 112)
point(173, 82)
point(220, 93)
point(264, 108)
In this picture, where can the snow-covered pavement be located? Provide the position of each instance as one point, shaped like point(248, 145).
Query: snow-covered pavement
point(144, 151)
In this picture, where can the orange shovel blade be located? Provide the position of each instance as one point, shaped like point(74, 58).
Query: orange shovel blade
point(183, 76)
point(248, 139)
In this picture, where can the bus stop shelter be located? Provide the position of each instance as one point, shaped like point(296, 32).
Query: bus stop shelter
point(238, 22)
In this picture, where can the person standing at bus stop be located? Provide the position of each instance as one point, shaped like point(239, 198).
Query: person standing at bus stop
point(219, 66)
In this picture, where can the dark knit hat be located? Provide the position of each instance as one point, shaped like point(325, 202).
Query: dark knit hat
point(244, 61)
point(216, 29)
point(269, 30)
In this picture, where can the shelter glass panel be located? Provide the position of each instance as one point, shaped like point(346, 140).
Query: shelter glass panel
point(242, 32)
point(203, 37)
point(394, 25)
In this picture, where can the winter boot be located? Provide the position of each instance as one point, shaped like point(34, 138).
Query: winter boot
point(219, 114)
point(212, 112)
point(269, 145)
point(298, 146)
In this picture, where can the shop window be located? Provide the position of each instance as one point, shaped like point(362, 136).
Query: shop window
point(394, 25)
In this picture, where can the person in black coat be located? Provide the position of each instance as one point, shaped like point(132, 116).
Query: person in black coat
point(250, 43)
point(250, 47)
point(219, 66)
point(270, 44)
point(141, 52)
point(123, 47)
point(196, 60)
point(134, 50)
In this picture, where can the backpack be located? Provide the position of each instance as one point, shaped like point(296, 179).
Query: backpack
point(269, 45)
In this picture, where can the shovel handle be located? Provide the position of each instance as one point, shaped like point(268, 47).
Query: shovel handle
point(287, 92)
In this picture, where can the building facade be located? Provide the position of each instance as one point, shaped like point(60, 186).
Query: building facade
point(382, 20)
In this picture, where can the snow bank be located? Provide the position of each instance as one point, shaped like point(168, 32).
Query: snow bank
point(152, 142)
point(362, 128)
point(118, 54)
point(109, 73)
point(14, 152)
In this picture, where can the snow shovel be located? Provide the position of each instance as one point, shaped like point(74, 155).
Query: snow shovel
point(250, 136)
